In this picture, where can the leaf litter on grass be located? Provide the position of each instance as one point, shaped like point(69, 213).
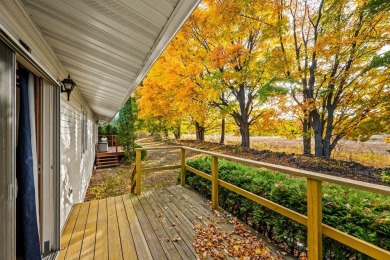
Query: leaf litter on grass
point(109, 182)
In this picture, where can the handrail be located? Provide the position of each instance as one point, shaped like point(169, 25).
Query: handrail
point(313, 220)
point(384, 190)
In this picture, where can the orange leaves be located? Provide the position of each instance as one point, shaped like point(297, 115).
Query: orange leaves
point(231, 56)
point(219, 58)
point(239, 243)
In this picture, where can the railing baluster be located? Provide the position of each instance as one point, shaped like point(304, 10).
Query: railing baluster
point(138, 172)
point(314, 219)
point(116, 144)
point(183, 167)
point(214, 182)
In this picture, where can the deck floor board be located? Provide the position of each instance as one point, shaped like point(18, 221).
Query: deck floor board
point(141, 246)
point(127, 242)
point(182, 227)
point(77, 238)
point(182, 248)
point(157, 249)
point(158, 228)
point(101, 243)
point(88, 247)
point(137, 227)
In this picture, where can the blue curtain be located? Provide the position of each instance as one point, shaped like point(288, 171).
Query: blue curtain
point(27, 235)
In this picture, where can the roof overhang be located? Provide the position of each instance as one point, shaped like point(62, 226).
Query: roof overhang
point(108, 46)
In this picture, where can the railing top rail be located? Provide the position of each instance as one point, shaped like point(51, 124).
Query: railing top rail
point(159, 148)
point(302, 173)
point(289, 170)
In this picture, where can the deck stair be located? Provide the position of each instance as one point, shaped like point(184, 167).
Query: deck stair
point(105, 160)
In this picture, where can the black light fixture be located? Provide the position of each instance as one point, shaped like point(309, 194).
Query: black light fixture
point(67, 86)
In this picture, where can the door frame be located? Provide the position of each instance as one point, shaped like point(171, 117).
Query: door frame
point(50, 167)
point(7, 152)
point(8, 193)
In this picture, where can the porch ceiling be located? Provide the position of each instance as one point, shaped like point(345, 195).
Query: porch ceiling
point(107, 46)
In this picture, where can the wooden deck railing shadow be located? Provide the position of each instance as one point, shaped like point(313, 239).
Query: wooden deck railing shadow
point(313, 220)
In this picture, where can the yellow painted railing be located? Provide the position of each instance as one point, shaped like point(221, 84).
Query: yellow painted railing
point(313, 220)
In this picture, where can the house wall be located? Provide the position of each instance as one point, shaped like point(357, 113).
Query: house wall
point(15, 20)
point(76, 166)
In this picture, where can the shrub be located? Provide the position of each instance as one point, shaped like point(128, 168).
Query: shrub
point(385, 177)
point(101, 130)
point(108, 129)
point(362, 214)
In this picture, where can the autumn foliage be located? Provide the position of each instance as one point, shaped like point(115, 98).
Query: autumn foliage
point(323, 65)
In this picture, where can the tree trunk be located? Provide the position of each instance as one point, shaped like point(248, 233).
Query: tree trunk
point(242, 117)
point(222, 141)
point(318, 130)
point(306, 137)
point(245, 139)
point(200, 130)
point(166, 133)
point(328, 134)
point(177, 132)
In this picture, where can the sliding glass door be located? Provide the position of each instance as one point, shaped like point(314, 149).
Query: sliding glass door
point(49, 172)
point(45, 102)
point(7, 152)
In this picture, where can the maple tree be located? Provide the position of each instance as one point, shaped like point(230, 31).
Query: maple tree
point(177, 79)
point(165, 112)
point(327, 50)
point(238, 59)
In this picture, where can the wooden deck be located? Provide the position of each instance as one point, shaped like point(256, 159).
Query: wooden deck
point(110, 158)
point(112, 149)
point(155, 225)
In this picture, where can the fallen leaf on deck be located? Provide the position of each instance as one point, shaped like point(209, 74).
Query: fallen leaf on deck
point(176, 238)
point(239, 243)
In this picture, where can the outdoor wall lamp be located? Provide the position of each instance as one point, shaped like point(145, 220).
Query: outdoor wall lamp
point(67, 86)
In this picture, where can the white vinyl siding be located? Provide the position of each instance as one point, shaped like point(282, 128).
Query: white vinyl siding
point(84, 133)
point(77, 132)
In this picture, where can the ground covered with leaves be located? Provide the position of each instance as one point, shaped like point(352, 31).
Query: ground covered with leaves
point(345, 169)
point(115, 181)
point(109, 182)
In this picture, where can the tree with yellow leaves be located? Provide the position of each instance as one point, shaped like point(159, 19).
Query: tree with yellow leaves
point(239, 47)
point(327, 49)
point(176, 79)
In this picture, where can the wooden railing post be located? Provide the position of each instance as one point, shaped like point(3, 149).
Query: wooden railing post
point(138, 172)
point(116, 144)
point(314, 219)
point(183, 167)
point(214, 182)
